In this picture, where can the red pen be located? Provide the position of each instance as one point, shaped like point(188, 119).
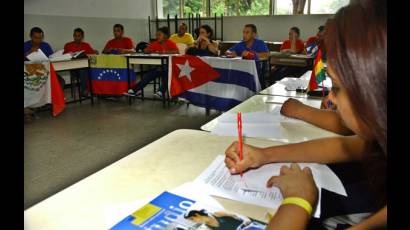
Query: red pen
point(239, 121)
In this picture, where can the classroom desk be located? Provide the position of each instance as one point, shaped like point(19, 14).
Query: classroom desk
point(297, 60)
point(166, 163)
point(293, 132)
point(148, 59)
point(73, 64)
point(278, 89)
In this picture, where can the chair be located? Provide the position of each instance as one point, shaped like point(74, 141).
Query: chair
point(181, 48)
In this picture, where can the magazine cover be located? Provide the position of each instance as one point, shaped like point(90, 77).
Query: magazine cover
point(172, 212)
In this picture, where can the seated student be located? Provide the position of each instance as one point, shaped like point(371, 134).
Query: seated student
point(316, 40)
point(182, 36)
point(363, 110)
point(79, 45)
point(36, 42)
point(164, 46)
point(250, 47)
point(293, 44)
point(119, 44)
point(204, 46)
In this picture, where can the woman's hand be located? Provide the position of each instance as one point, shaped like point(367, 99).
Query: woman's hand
point(295, 182)
point(291, 108)
point(253, 157)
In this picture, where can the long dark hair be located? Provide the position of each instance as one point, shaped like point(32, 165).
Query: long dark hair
point(209, 30)
point(356, 44)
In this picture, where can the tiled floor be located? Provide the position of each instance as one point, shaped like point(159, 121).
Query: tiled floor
point(59, 151)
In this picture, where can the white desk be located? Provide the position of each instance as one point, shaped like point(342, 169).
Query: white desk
point(148, 59)
point(82, 63)
point(298, 60)
point(278, 89)
point(293, 132)
point(70, 64)
point(170, 161)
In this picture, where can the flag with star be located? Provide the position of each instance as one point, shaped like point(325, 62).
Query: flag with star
point(109, 74)
point(189, 72)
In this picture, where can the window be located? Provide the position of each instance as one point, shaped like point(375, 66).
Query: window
point(240, 7)
point(326, 6)
point(165, 7)
point(195, 7)
point(183, 8)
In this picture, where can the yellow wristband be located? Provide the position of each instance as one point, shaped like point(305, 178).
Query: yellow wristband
point(299, 202)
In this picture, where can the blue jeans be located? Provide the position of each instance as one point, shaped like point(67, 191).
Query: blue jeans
point(151, 76)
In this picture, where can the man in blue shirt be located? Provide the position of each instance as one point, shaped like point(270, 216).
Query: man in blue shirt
point(36, 42)
point(250, 47)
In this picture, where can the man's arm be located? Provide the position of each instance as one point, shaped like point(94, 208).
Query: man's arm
point(263, 55)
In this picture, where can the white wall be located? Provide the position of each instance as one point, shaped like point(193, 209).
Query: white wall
point(273, 28)
point(91, 8)
point(58, 18)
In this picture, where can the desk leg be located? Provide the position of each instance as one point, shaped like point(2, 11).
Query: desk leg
point(128, 79)
point(142, 90)
point(79, 89)
point(163, 82)
point(90, 83)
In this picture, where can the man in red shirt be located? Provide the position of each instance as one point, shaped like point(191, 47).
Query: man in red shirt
point(316, 39)
point(293, 44)
point(162, 46)
point(119, 44)
point(77, 45)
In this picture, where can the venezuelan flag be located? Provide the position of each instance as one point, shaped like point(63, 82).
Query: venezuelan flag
point(109, 74)
point(318, 72)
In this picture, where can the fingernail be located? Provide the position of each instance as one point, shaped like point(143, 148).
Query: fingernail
point(232, 170)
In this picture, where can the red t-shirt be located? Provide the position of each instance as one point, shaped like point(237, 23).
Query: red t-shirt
point(158, 47)
point(74, 47)
point(299, 45)
point(123, 43)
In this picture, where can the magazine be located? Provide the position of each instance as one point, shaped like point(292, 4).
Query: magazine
point(173, 212)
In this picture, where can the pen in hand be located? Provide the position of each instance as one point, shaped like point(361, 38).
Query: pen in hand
point(239, 121)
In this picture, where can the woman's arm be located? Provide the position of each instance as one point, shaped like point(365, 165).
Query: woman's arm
point(376, 221)
point(325, 119)
point(326, 150)
point(213, 47)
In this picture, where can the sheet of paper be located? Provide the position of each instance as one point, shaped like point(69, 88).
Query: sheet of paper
point(217, 181)
point(291, 84)
point(261, 124)
point(37, 56)
point(59, 56)
point(251, 188)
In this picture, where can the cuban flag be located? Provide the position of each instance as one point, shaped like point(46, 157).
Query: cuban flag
point(109, 74)
point(213, 82)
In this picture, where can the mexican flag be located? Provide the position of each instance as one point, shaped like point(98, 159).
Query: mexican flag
point(318, 72)
point(41, 87)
